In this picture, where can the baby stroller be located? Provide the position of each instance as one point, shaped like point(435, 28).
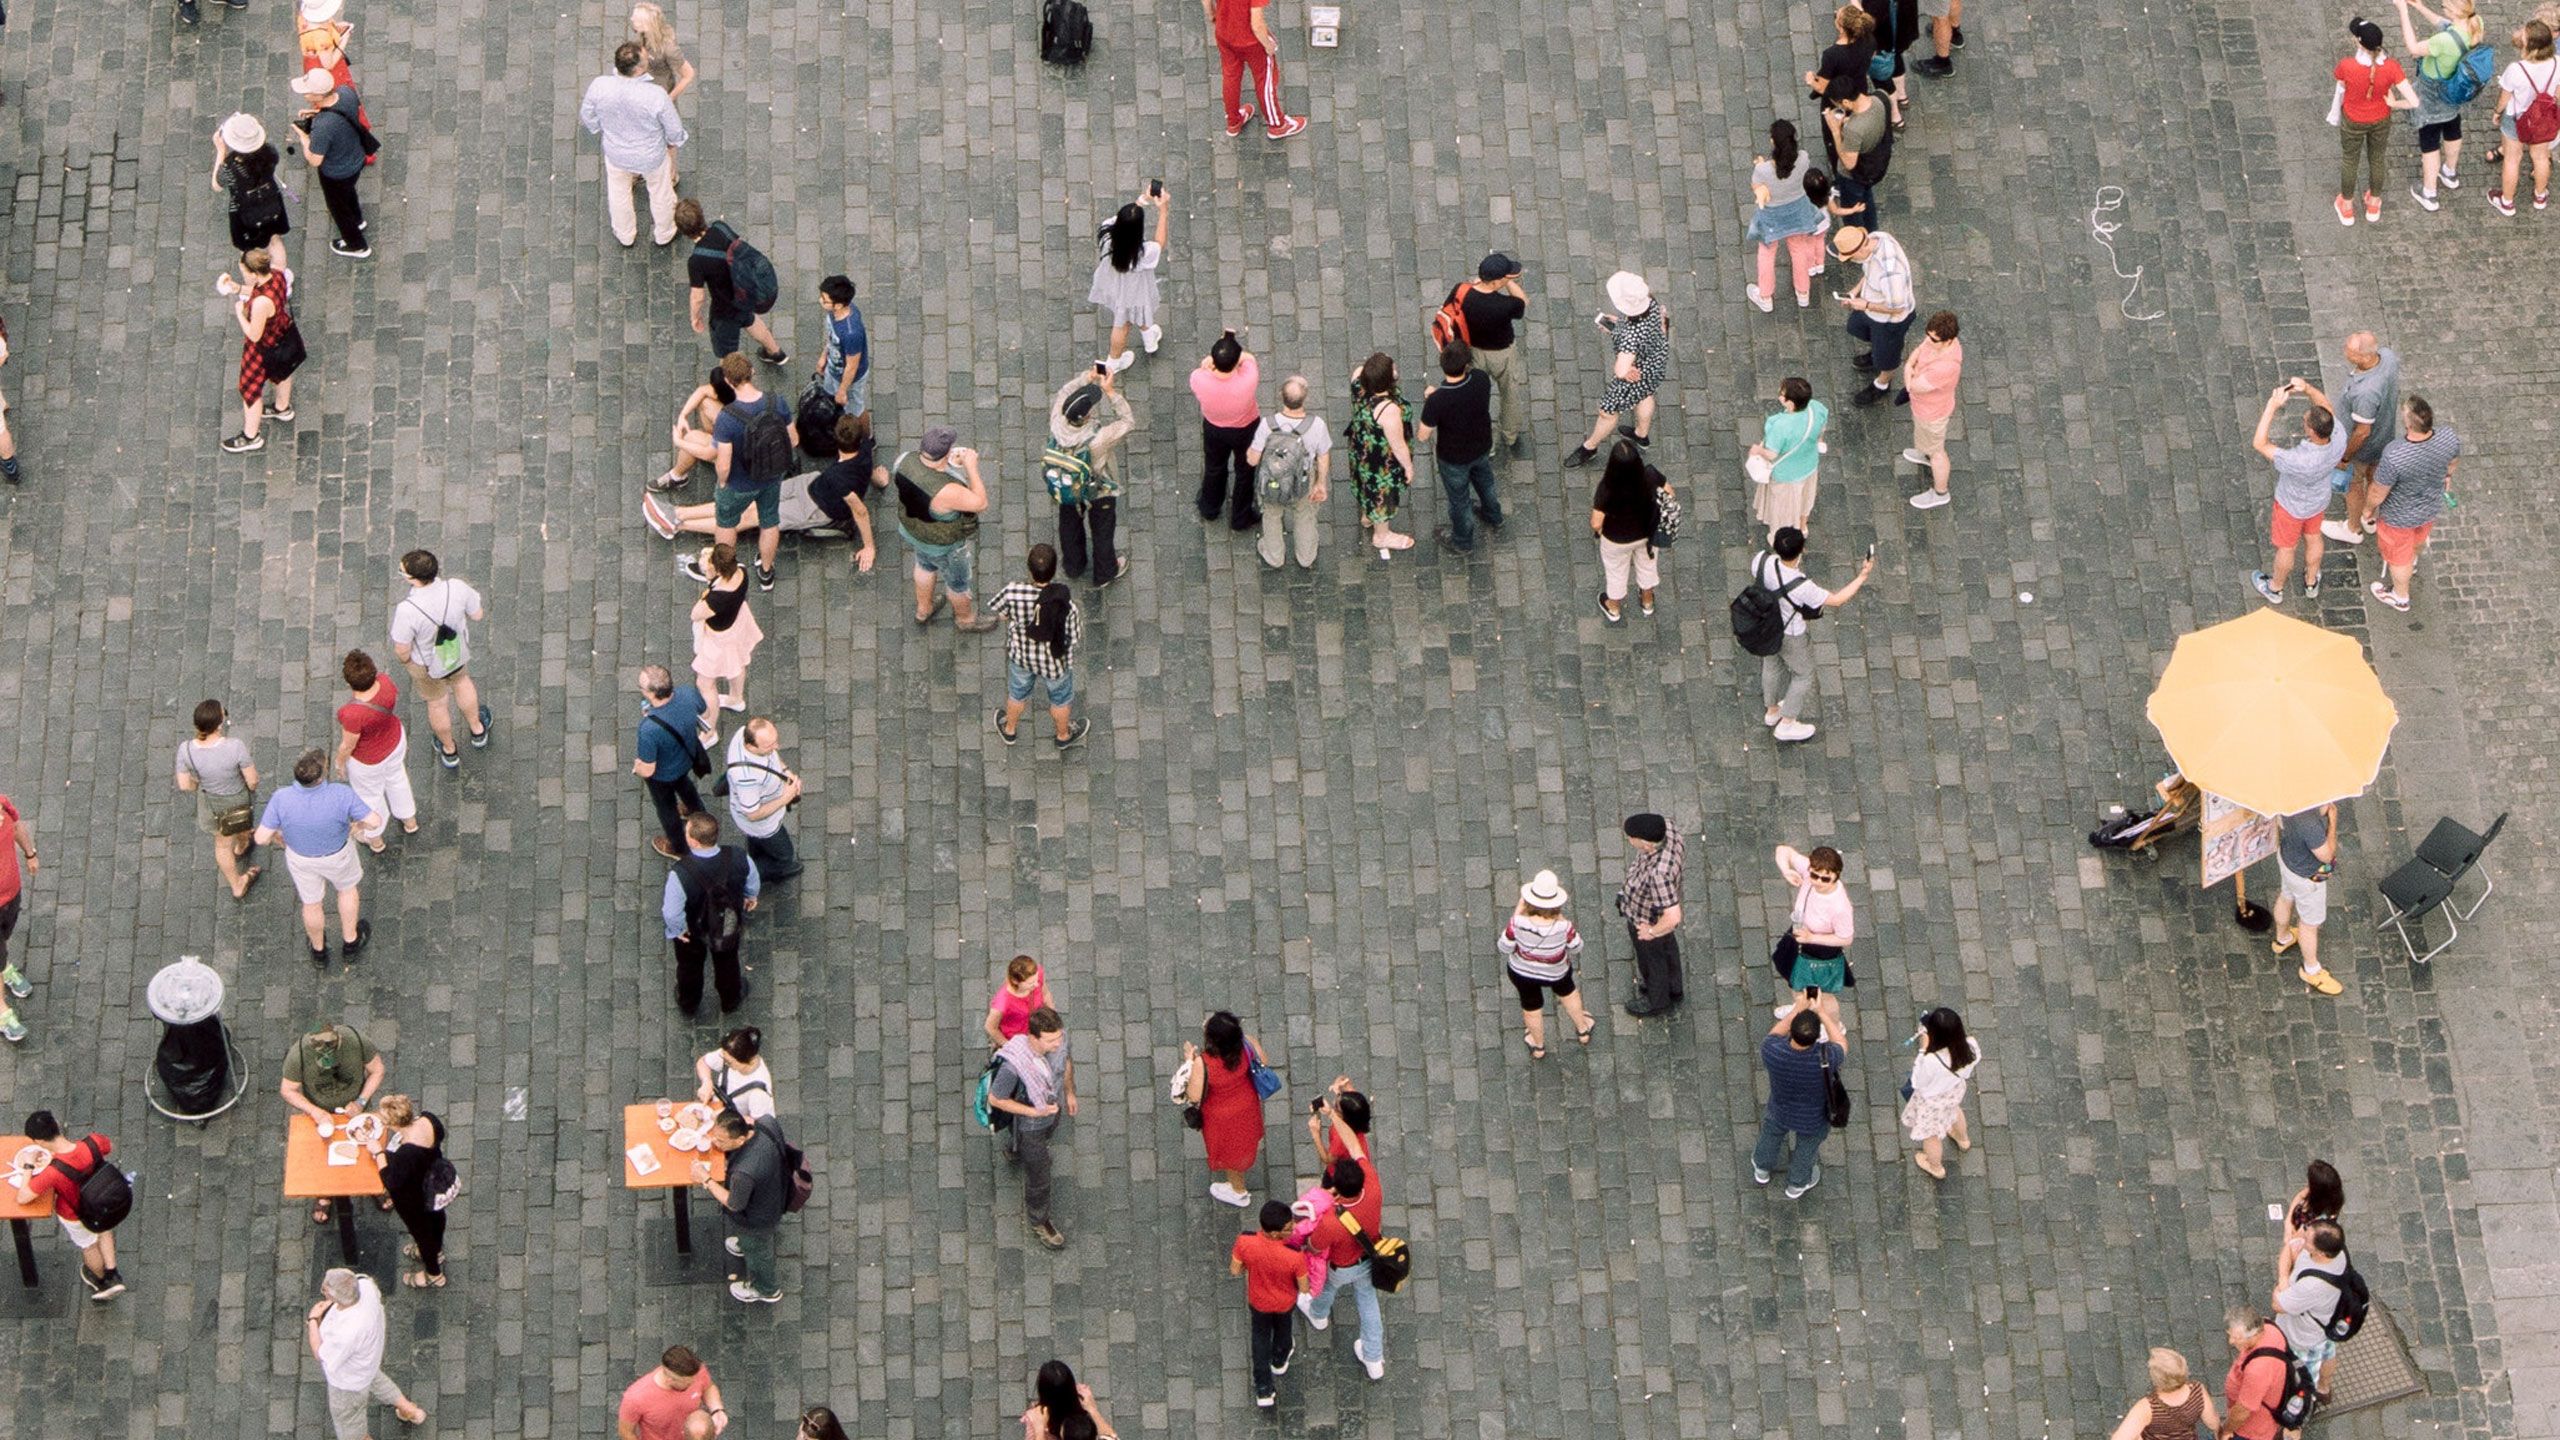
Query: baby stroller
point(2180, 805)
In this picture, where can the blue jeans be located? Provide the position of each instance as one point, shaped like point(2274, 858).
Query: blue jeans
point(1857, 198)
point(1364, 1298)
point(1808, 1156)
point(1457, 481)
point(1018, 683)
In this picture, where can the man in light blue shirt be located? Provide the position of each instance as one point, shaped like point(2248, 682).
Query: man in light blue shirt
point(638, 125)
point(311, 821)
point(704, 907)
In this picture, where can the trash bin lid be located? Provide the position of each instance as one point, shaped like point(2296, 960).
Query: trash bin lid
point(185, 992)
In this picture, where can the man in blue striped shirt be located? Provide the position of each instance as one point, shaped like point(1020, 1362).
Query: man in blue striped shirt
point(638, 125)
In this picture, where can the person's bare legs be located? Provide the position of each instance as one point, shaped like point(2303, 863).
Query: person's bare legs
point(2400, 580)
point(1235, 1181)
point(2280, 570)
point(227, 853)
point(768, 544)
point(350, 901)
point(1601, 429)
point(763, 334)
point(1644, 418)
point(2510, 163)
point(1119, 341)
point(1931, 1158)
point(1581, 1018)
point(2452, 153)
point(2541, 170)
point(315, 924)
point(251, 413)
point(466, 693)
point(2359, 482)
point(924, 594)
point(1964, 1141)
point(440, 722)
point(282, 391)
point(964, 610)
point(1534, 1022)
point(1013, 715)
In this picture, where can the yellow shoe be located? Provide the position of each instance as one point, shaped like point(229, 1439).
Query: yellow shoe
point(2321, 981)
point(2283, 942)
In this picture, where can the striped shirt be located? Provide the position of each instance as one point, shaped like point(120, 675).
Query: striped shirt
point(1538, 949)
point(636, 119)
point(1019, 602)
point(2416, 472)
point(1885, 281)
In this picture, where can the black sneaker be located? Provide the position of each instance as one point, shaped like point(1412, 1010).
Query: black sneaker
point(364, 932)
point(243, 443)
point(360, 252)
point(187, 11)
point(1869, 396)
point(1075, 734)
point(320, 957)
point(9, 471)
point(1449, 541)
point(1863, 362)
point(1493, 518)
point(1007, 736)
point(775, 357)
point(1103, 582)
point(1643, 442)
point(1582, 455)
point(1933, 65)
point(449, 759)
point(764, 576)
point(690, 567)
point(481, 740)
point(1955, 36)
point(275, 414)
point(109, 1289)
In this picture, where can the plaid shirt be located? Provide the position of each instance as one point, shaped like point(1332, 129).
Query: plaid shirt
point(1019, 602)
point(1884, 280)
point(1652, 883)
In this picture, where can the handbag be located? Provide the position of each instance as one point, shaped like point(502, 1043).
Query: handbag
point(1667, 513)
point(229, 823)
point(285, 353)
point(1782, 958)
point(1266, 1081)
point(1836, 1095)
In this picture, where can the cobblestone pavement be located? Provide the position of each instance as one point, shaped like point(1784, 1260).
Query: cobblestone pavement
point(1308, 797)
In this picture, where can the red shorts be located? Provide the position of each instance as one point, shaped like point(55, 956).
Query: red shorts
point(2400, 547)
point(2286, 531)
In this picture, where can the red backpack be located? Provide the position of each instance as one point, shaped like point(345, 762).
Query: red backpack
point(2539, 124)
point(1449, 322)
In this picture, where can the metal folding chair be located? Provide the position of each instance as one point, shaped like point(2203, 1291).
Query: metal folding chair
point(2455, 851)
point(2414, 890)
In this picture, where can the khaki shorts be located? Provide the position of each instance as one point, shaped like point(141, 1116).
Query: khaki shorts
point(428, 686)
point(2310, 897)
point(314, 876)
point(1928, 436)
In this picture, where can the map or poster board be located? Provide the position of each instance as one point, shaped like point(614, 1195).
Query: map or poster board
point(2232, 839)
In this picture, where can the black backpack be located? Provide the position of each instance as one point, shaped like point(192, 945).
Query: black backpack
point(2355, 1301)
point(765, 455)
point(1759, 613)
point(753, 287)
point(2294, 1406)
point(719, 888)
point(1066, 32)
point(261, 206)
point(104, 1198)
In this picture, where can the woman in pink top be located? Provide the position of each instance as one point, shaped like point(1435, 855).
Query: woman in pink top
point(1814, 953)
point(1025, 989)
point(1930, 375)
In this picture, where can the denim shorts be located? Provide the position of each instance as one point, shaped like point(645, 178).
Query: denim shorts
point(1019, 680)
point(729, 505)
point(955, 565)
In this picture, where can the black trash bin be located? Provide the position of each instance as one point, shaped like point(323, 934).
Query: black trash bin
point(197, 1069)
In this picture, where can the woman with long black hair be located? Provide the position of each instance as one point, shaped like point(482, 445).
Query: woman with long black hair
point(1939, 1079)
point(1625, 508)
point(1124, 278)
point(1788, 211)
point(1042, 646)
point(1062, 1408)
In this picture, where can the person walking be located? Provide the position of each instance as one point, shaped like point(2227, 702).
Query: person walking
point(1784, 213)
point(1457, 422)
point(664, 60)
point(844, 370)
point(2408, 492)
point(1946, 37)
point(1649, 899)
point(736, 1076)
point(1799, 1052)
point(1275, 1281)
point(716, 306)
point(753, 1194)
point(1025, 989)
point(2370, 85)
point(431, 633)
point(1880, 307)
point(347, 1331)
point(754, 445)
point(1929, 381)
point(2302, 488)
point(2370, 404)
point(1062, 1408)
point(669, 752)
point(329, 1074)
point(1088, 418)
point(1813, 956)
point(1786, 677)
point(636, 121)
point(271, 347)
point(704, 908)
point(2175, 1406)
point(1225, 383)
point(2439, 117)
point(762, 790)
point(420, 1181)
point(2306, 856)
point(725, 632)
point(1381, 461)
point(217, 770)
point(244, 168)
point(1626, 508)
point(335, 144)
point(1640, 337)
point(373, 749)
point(940, 497)
point(1041, 647)
point(1540, 952)
point(1490, 310)
point(1035, 1083)
point(661, 1404)
point(1358, 1200)
point(1933, 1098)
point(15, 841)
point(1785, 468)
point(1126, 282)
point(1245, 44)
point(2528, 117)
point(314, 821)
point(61, 1180)
point(1229, 1108)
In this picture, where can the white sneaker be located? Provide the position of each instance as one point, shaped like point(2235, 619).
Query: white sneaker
point(1151, 337)
point(1377, 1368)
point(1790, 731)
point(1222, 1191)
point(1796, 1192)
point(1912, 454)
point(1266, 1401)
point(1771, 719)
point(1752, 293)
point(1307, 1307)
point(1931, 500)
point(2341, 533)
point(1123, 361)
point(731, 1245)
point(1281, 1368)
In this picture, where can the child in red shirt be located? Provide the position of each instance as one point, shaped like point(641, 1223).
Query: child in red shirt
point(1274, 1277)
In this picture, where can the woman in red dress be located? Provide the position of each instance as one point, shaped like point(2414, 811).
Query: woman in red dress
point(270, 348)
point(1230, 1108)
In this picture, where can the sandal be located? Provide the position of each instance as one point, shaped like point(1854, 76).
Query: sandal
point(1582, 1036)
point(421, 1280)
point(1936, 1173)
point(421, 1412)
point(1536, 1050)
point(248, 882)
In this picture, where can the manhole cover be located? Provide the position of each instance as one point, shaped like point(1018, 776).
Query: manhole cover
point(2372, 1369)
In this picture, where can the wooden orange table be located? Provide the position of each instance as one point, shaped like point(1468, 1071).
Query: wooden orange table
point(18, 1215)
point(308, 1175)
point(675, 1167)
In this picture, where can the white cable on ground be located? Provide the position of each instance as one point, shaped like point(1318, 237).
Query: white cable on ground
point(2111, 198)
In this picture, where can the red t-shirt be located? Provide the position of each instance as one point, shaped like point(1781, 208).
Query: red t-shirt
point(65, 1189)
point(1335, 1240)
point(2368, 87)
point(1235, 23)
point(2258, 1384)
point(377, 734)
point(1271, 1273)
point(10, 880)
point(657, 1412)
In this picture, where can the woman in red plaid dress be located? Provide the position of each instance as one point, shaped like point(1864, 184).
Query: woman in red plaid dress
point(271, 349)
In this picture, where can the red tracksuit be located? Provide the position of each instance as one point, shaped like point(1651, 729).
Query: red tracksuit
point(1238, 52)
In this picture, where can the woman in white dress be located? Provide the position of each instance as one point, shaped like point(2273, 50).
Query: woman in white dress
point(1939, 1079)
point(1124, 278)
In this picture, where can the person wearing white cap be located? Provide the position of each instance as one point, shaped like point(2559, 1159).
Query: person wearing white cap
point(244, 165)
point(1540, 949)
point(336, 149)
point(1641, 333)
point(637, 123)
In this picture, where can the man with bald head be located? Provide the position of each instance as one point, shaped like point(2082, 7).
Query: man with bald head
point(2369, 409)
point(762, 790)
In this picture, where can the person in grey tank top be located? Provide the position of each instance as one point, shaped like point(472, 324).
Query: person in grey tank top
point(218, 771)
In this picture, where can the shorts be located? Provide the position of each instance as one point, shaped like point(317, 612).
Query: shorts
point(2288, 532)
point(1018, 682)
point(955, 564)
point(430, 687)
point(857, 401)
point(1929, 436)
point(2310, 897)
point(2400, 546)
point(1884, 338)
point(80, 1235)
point(725, 329)
point(729, 504)
point(2431, 137)
point(1532, 1000)
point(2317, 1354)
point(313, 876)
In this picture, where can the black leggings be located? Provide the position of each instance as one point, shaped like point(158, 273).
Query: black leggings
point(1531, 999)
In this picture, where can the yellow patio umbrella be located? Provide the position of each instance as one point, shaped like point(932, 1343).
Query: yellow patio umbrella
point(2272, 714)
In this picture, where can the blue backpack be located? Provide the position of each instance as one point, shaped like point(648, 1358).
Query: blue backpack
point(2470, 75)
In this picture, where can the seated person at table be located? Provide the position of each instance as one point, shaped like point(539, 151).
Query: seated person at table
point(330, 1074)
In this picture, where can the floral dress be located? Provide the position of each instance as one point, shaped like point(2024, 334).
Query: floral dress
point(1649, 341)
point(1375, 475)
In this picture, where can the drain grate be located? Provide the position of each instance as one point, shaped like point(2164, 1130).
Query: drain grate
point(2372, 1369)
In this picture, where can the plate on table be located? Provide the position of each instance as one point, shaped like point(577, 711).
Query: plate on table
point(367, 1126)
point(643, 1158)
point(696, 1116)
point(30, 1159)
point(686, 1139)
point(344, 1152)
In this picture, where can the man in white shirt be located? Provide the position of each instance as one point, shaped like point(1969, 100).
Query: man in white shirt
point(431, 632)
point(762, 790)
point(345, 1331)
point(1300, 469)
point(637, 123)
point(1786, 676)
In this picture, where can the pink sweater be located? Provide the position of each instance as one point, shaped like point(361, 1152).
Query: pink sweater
point(1229, 399)
point(1931, 373)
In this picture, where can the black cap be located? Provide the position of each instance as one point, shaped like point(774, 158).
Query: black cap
point(1650, 828)
point(1080, 403)
point(1497, 266)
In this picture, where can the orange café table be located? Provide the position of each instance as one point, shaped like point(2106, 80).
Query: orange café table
point(308, 1175)
point(18, 1215)
point(675, 1167)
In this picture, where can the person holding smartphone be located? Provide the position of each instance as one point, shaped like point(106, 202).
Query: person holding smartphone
point(1787, 676)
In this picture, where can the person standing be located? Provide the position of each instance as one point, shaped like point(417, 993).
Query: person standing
point(8, 442)
point(1035, 1082)
point(1221, 1089)
point(409, 1147)
point(754, 443)
point(1842, 70)
point(1880, 307)
point(312, 821)
point(2309, 1285)
point(336, 148)
point(2439, 118)
point(1025, 989)
point(1088, 418)
point(1381, 460)
point(1897, 24)
point(668, 749)
point(373, 749)
point(431, 633)
point(1786, 466)
point(1062, 1408)
point(2175, 1406)
point(725, 632)
point(1126, 282)
point(664, 59)
point(2306, 856)
point(1933, 1107)
point(1275, 1280)
point(2408, 493)
point(844, 372)
point(1225, 383)
point(2370, 401)
point(1540, 951)
point(1357, 1197)
point(735, 1076)
point(713, 290)
point(1814, 953)
point(1929, 380)
point(2370, 85)
point(1626, 508)
point(1040, 647)
point(636, 121)
point(762, 790)
point(1861, 146)
point(2261, 1362)
point(1640, 337)
point(73, 1162)
point(1492, 307)
point(704, 908)
point(753, 1194)
point(940, 497)
point(271, 347)
point(329, 1074)
point(244, 168)
point(15, 841)
point(1649, 899)
point(1786, 677)
point(2302, 489)
point(346, 1332)
point(1245, 43)
point(1457, 421)
point(1799, 1053)
point(1946, 36)
point(2533, 75)
point(661, 1404)
point(218, 771)
point(1784, 213)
